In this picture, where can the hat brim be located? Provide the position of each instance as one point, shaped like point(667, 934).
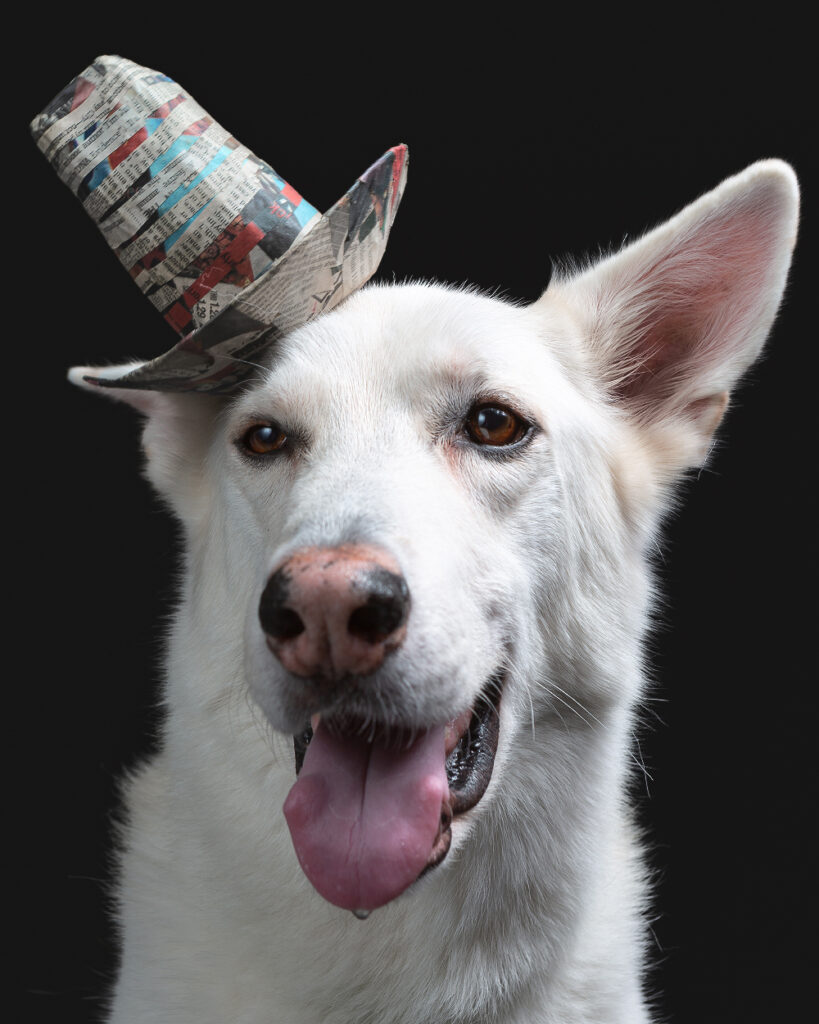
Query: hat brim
point(328, 261)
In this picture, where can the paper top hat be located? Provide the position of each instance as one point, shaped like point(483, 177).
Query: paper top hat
point(230, 254)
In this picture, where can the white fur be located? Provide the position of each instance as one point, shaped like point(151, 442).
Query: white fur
point(537, 560)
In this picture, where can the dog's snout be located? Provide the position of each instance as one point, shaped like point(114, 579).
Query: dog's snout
point(333, 612)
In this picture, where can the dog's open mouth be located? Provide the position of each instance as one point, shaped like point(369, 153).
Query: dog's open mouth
point(372, 812)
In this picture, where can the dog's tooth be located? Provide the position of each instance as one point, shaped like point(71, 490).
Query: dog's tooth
point(314, 721)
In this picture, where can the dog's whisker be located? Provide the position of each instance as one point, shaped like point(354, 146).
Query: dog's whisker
point(571, 697)
point(583, 719)
point(639, 761)
point(576, 706)
point(236, 359)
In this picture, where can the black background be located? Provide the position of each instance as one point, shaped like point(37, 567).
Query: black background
point(528, 141)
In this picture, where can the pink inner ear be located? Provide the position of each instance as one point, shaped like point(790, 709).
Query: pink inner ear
point(699, 301)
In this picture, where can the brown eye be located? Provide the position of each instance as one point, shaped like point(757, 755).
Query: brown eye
point(495, 425)
point(264, 438)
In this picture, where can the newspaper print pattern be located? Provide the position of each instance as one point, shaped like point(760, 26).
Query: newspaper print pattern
point(119, 133)
point(324, 266)
point(225, 248)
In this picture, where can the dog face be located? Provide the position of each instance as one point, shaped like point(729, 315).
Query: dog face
point(383, 450)
point(423, 529)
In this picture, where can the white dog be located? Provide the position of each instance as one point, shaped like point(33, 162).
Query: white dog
point(417, 551)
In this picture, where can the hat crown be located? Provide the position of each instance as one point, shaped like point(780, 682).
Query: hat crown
point(224, 247)
point(193, 216)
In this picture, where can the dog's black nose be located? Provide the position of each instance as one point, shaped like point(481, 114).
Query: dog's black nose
point(335, 611)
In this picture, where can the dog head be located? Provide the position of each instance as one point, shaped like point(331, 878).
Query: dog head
point(422, 530)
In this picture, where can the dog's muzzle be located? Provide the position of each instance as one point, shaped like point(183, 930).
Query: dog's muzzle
point(372, 808)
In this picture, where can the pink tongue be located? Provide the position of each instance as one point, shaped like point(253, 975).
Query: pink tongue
point(364, 818)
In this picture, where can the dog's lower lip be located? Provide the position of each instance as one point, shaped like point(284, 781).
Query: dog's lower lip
point(469, 766)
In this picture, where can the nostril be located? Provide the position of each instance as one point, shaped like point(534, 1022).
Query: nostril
point(376, 620)
point(385, 608)
point(278, 619)
point(283, 624)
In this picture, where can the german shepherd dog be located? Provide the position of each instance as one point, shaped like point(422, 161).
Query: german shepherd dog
point(403, 672)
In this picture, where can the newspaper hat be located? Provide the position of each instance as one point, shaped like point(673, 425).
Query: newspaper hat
point(230, 254)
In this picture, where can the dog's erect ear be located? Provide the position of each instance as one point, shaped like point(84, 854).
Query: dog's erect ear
point(673, 320)
point(175, 436)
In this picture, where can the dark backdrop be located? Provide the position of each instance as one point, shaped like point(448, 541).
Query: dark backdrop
point(522, 149)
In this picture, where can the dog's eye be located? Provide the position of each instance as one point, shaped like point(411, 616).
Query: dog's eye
point(495, 425)
point(264, 438)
